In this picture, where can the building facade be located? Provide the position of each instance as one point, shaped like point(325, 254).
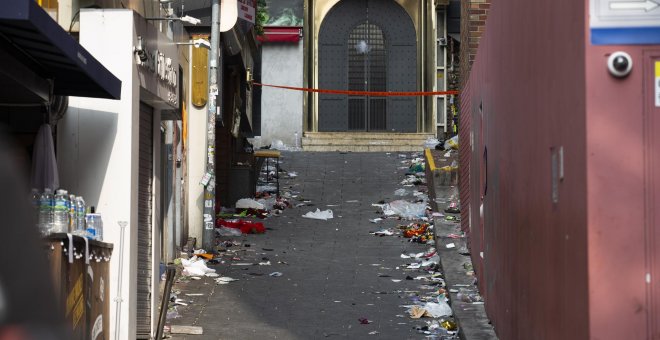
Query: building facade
point(563, 192)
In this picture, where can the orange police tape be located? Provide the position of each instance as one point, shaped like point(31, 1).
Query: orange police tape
point(362, 93)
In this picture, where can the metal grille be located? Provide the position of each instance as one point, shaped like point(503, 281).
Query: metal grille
point(367, 71)
point(145, 223)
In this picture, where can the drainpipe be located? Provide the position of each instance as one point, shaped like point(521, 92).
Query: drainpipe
point(422, 99)
point(212, 114)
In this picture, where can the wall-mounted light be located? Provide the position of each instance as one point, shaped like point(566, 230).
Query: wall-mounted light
point(185, 18)
point(203, 43)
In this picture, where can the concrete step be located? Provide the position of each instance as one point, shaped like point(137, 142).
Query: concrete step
point(348, 141)
point(362, 148)
point(369, 135)
point(364, 142)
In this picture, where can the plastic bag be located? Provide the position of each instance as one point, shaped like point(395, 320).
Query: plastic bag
point(224, 231)
point(248, 203)
point(277, 144)
point(431, 142)
point(437, 310)
point(401, 192)
point(195, 267)
point(405, 209)
point(451, 143)
point(319, 215)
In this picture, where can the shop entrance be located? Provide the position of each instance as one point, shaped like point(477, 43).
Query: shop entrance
point(145, 220)
point(367, 45)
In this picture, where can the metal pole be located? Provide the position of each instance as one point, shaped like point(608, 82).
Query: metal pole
point(213, 113)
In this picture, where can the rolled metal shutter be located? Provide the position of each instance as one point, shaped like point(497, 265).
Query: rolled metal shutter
point(145, 222)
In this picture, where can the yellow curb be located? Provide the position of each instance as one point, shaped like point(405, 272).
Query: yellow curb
point(429, 159)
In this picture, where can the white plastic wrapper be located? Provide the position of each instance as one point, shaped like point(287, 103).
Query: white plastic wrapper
point(319, 215)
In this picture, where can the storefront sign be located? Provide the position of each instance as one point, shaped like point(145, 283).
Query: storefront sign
point(156, 62)
point(246, 10)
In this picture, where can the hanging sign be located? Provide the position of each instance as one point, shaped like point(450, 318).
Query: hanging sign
point(246, 10)
point(228, 14)
point(624, 22)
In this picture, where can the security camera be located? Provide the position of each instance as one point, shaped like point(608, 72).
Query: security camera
point(201, 43)
point(619, 64)
point(139, 50)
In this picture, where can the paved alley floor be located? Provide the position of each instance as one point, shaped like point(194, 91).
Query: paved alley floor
point(334, 272)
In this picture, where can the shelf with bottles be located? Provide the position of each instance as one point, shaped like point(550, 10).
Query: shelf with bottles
point(60, 212)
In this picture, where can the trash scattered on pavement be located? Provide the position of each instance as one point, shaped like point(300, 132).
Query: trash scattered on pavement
point(245, 227)
point(223, 280)
point(404, 209)
point(364, 321)
point(248, 203)
point(276, 274)
point(384, 232)
point(195, 267)
point(319, 215)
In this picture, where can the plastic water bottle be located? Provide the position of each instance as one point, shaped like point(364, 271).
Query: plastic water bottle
point(61, 212)
point(94, 225)
point(46, 212)
point(80, 216)
point(35, 199)
point(99, 228)
point(72, 213)
point(90, 223)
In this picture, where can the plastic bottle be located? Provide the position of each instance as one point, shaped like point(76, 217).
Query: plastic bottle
point(94, 225)
point(99, 228)
point(61, 212)
point(35, 200)
point(80, 216)
point(90, 224)
point(72, 213)
point(46, 211)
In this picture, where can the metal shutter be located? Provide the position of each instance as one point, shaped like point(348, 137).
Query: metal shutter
point(145, 223)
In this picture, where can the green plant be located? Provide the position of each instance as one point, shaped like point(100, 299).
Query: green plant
point(262, 17)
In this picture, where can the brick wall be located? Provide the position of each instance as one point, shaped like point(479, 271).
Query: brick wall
point(473, 23)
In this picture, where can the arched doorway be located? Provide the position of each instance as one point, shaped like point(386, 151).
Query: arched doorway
point(367, 45)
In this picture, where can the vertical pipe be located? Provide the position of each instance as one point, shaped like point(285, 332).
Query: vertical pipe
point(214, 89)
point(422, 60)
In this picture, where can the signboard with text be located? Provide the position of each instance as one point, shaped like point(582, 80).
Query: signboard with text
point(247, 10)
point(624, 22)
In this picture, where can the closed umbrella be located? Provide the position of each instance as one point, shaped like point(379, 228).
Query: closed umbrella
point(44, 165)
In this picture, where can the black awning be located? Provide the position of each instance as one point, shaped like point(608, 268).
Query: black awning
point(34, 38)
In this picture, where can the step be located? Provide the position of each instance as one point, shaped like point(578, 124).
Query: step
point(364, 141)
point(348, 141)
point(369, 135)
point(362, 148)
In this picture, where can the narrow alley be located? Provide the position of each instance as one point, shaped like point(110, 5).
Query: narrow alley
point(338, 278)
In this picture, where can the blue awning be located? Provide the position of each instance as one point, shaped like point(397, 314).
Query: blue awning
point(29, 34)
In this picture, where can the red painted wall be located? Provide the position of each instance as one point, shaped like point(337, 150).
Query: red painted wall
point(623, 168)
point(583, 267)
point(529, 78)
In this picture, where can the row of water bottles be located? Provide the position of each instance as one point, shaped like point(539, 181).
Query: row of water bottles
point(60, 212)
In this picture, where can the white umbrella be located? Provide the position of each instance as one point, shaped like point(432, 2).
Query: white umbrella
point(44, 164)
